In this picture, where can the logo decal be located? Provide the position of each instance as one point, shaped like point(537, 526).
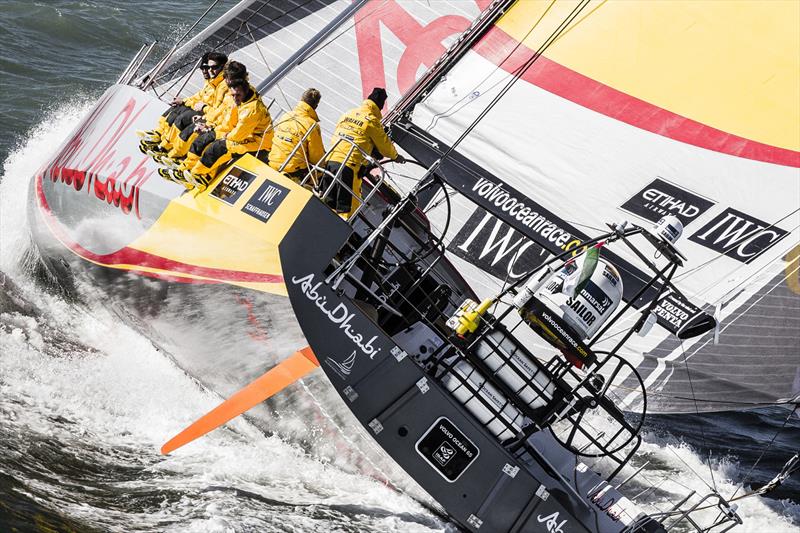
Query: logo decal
point(520, 208)
point(93, 159)
point(345, 367)
point(420, 44)
point(233, 185)
point(447, 449)
point(339, 315)
point(661, 198)
point(552, 523)
point(738, 235)
point(444, 453)
point(495, 247)
point(265, 201)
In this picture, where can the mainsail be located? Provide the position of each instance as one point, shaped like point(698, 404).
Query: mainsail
point(565, 115)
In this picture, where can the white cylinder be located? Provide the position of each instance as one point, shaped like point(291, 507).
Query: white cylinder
point(587, 311)
point(467, 395)
point(528, 380)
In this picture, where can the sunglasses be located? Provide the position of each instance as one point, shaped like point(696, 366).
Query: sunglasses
point(210, 67)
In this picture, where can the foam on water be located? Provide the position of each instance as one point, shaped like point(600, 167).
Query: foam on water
point(80, 430)
point(98, 413)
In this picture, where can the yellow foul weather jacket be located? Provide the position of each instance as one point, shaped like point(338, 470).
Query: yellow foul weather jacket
point(228, 117)
point(209, 94)
point(222, 122)
point(361, 125)
point(289, 130)
point(214, 112)
point(253, 129)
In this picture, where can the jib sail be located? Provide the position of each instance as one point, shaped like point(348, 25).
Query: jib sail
point(564, 116)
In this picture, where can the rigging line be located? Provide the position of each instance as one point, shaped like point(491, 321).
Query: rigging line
point(692, 470)
point(627, 389)
point(738, 316)
point(463, 100)
point(162, 62)
point(223, 42)
point(766, 449)
point(697, 412)
point(759, 299)
point(745, 280)
point(346, 29)
point(237, 32)
point(266, 64)
point(518, 75)
point(731, 247)
point(449, 111)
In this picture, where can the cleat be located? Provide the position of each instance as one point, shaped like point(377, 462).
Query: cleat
point(200, 181)
point(155, 153)
point(144, 146)
point(184, 177)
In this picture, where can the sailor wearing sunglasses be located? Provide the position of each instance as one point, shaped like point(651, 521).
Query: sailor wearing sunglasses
point(182, 111)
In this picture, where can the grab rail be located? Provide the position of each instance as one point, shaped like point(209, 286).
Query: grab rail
point(130, 64)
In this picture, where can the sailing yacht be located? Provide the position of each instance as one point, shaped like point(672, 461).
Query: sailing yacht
point(537, 130)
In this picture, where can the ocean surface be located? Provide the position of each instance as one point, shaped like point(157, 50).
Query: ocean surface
point(81, 421)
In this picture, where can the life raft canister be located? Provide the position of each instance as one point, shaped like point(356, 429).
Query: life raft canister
point(588, 310)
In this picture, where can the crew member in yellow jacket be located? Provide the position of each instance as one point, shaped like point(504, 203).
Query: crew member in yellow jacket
point(292, 134)
point(251, 134)
point(201, 111)
point(183, 110)
point(216, 119)
point(360, 126)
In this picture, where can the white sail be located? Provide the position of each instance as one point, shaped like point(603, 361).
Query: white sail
point(636, 111)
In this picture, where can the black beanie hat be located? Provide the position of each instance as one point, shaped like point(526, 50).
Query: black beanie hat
point(378, 95)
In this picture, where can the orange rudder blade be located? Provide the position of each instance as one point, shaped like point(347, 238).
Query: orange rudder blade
point(288, 371)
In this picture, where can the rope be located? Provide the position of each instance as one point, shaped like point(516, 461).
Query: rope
point(731, 247)
point(697, 412)
point(465, 99)
point(518, 74)
point(764, 451)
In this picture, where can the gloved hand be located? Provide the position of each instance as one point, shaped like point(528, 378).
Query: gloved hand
point(400, 159)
